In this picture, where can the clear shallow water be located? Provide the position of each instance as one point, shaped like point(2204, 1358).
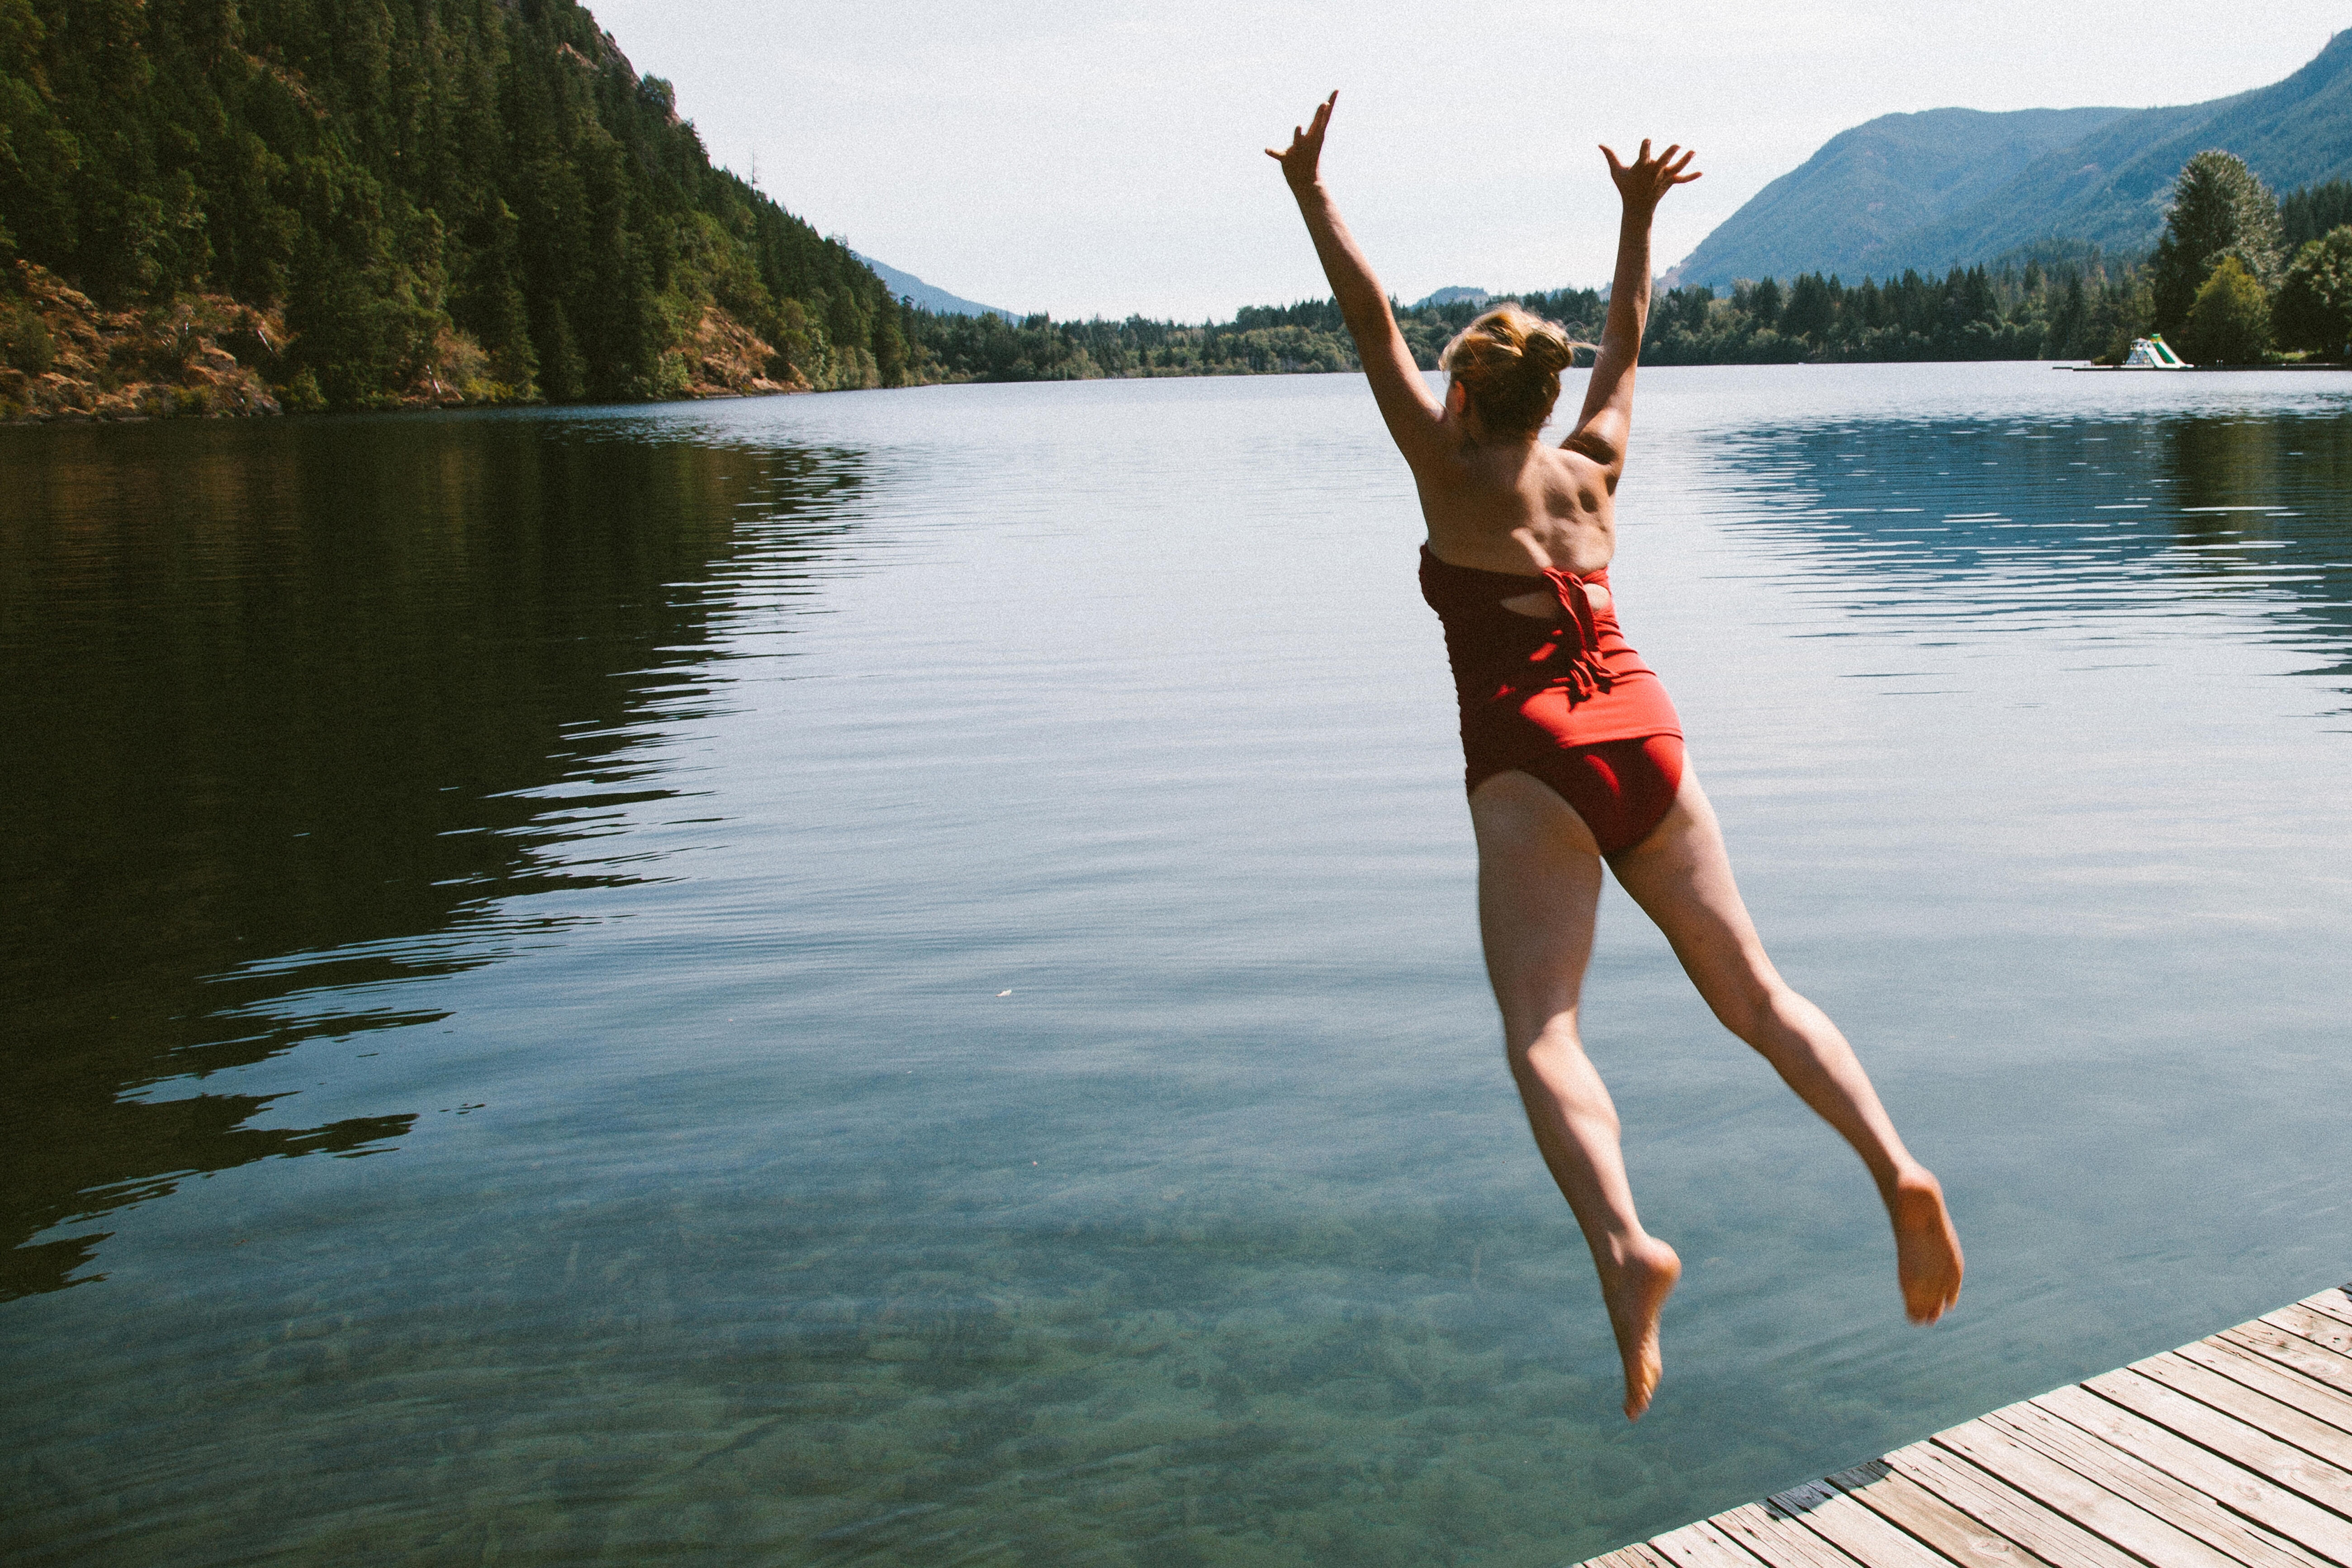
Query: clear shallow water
point(509, 1062)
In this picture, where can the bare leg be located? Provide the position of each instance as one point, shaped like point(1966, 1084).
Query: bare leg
point(1538, 887)
point(1681, 877)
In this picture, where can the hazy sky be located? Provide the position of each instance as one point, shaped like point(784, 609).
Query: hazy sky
point(1102, 159)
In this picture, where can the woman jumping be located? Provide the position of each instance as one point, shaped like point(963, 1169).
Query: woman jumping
point(1575, 755)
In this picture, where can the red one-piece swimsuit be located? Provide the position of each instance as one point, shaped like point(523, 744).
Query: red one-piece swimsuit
point(1562, 697)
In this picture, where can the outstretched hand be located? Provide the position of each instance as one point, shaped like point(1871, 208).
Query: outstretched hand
point(1307, 148)
point(1642, 182)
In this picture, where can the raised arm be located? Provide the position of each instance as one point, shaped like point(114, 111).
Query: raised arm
point(1602, 428)
point(1414, 416)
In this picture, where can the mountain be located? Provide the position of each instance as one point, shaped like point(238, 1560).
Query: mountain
point(1458, 294)
point(929, 296)
point(2111, 188)
point(1957, 187)
point(1850, 207)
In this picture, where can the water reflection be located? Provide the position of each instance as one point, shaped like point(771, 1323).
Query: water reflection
point(2003, 525)
point(294, 711)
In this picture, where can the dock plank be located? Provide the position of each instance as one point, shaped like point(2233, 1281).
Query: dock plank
point(1912, 1508)
point(2277, 1418)
point(1638, 1555)
point(2232, 1438)
point(2239, 1364)
point(2232, 1452)
point(2337, 1303)
point(1852, 1528)
point(1699, 1546)
point(2274, 1344)
point(2171, 1500)
point(2313, 1325)
point(2263, 1501)
point(2048, 1534)
point(1641, 1554)
point(1731, 1543)
point(2081, 1500)
point(1781, 1542)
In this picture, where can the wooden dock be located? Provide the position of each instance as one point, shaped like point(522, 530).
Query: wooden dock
point(2234, 1452)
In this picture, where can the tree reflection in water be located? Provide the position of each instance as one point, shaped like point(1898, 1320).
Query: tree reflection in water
point(2039, 522)
point(285, 706)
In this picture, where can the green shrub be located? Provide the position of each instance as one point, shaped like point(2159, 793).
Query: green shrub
point(302, 394)
point(24, 340)
point(2231, 321)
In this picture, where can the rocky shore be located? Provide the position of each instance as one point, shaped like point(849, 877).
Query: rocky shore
point(63, 360)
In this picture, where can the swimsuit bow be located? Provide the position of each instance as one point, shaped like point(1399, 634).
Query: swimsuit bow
point(1583, 673)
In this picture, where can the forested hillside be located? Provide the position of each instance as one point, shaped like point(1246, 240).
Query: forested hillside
point(375, 202)
point(2106, 185)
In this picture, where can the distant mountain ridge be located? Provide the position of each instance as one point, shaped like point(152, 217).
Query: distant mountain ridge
point(1459, 294)
point(1957, 187)
point(930, 296)
point(1852, 207)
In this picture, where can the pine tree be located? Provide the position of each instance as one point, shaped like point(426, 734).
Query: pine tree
point(2312, 212)
point(2313, 307)
point(2219, 209)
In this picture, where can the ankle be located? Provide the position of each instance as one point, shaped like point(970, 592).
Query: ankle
point(1630, 1251)
point(1908, 1183)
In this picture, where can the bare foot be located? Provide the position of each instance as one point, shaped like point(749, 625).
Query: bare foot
point(1636, 1291)
point(1927, 1250)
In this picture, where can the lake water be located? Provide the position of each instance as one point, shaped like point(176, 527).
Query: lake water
point(891, 977)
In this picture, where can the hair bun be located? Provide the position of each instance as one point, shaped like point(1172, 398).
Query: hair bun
point(1509, 361)
point(1549, 349)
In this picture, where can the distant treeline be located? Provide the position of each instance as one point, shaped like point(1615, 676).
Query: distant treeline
point(1260, 340)
point(2058, 300)
point(2075, 307)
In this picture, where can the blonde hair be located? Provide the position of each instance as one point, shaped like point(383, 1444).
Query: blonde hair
point(1508, 362)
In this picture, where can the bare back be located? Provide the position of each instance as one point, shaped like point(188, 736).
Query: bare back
point(1519, 507)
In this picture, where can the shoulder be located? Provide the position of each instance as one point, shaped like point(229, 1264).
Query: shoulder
point(1576, 468)
point(1595, 452)
point(1440, 464)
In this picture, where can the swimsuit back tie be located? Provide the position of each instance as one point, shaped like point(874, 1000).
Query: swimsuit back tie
point(1583, 671)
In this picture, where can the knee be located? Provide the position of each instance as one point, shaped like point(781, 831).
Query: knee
point(1551, 1038)
point(1752, 1009)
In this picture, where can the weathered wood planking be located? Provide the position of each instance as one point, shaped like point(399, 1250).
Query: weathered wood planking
point(2234, 1452)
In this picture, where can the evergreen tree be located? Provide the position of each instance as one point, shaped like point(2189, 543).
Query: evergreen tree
point(2312, 212)
point(2313, 309)
point(2219, 209)
point(1811, 308)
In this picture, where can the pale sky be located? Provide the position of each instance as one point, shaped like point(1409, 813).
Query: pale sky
point(1094, 158)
